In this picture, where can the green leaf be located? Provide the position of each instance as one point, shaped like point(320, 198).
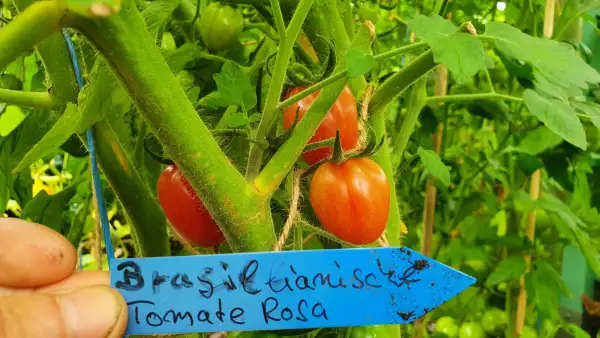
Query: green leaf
point(102, 98)
point(157, 13)
point(47, 210)
point(60, 132)
point(528, 163)
point(557, 116)
point(590, 109)
point(555, 61)
point(576, 331)
point(544, 286)
point(236, 120)
point(434, 165)
point(523, 202)
point(539, 140)
point(509, 269)
point(462, 53)
point(360, 61)
point(234, 87)
point(10, 120)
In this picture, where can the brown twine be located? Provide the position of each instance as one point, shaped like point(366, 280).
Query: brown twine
point(383, 242)
point(364, 117)
point(289, 223)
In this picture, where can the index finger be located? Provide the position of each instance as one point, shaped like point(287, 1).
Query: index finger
point(32, 255)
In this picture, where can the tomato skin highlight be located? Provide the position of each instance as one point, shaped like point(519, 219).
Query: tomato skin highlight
point(185, 211)
point(352, 199)
point(343, 115)
point(220, 26)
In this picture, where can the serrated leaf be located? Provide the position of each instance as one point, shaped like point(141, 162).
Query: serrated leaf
point(559, 117)
point(434, 165)
point(462, 53)
point(590, 109)
point(58, 134)
point(509, 269)
point(234, 86)
point(544, 286)
point(10, 120)
point(157, 13)
point(101, 98)
point(47, 210)
point(360, 61)
point(539, 140)
point(557, 62)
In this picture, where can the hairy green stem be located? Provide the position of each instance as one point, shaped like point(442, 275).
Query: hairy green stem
point(388, 91)
point(283, 160)
point(149, 222)
point(282, 60)
point(319, 85)
point(472, 97)
point(28, 99)
point(140, 68)
point(345, 9)
point(278, 17)
point(19, 36)
point(416, 104)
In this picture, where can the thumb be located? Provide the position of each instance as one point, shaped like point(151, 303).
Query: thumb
point(90, 312)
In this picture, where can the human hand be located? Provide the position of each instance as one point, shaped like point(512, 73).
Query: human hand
point(41, 293)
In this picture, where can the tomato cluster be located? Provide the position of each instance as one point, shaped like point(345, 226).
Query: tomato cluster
point(351, 199)
point(185, 211)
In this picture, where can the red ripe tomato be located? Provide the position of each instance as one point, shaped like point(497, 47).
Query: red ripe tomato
point(342, 116)
point(185, 211)
point(352, 199)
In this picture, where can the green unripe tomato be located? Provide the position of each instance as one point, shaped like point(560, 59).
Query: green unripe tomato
point(10, 81)
point(471, 330)
point(186, 79)
point(220, 26)
point(446, 325)
point(369, 11)
point(168, 42)
point(494, 320)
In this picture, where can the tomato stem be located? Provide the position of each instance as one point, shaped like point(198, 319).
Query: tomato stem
point(143, 72)
point(336, 76)
point(18, 36)
point(338, 152)
point(281, 163)
point(29, 99)
point(269, 113)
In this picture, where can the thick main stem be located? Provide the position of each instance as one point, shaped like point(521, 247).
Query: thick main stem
point(141, 69)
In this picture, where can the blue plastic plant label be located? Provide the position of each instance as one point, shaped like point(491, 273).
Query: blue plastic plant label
point(282, 290)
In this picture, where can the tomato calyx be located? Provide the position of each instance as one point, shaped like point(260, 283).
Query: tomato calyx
point(156, 151)
point(338, 157)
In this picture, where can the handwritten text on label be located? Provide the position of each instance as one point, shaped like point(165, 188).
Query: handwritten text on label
point(282, 290)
